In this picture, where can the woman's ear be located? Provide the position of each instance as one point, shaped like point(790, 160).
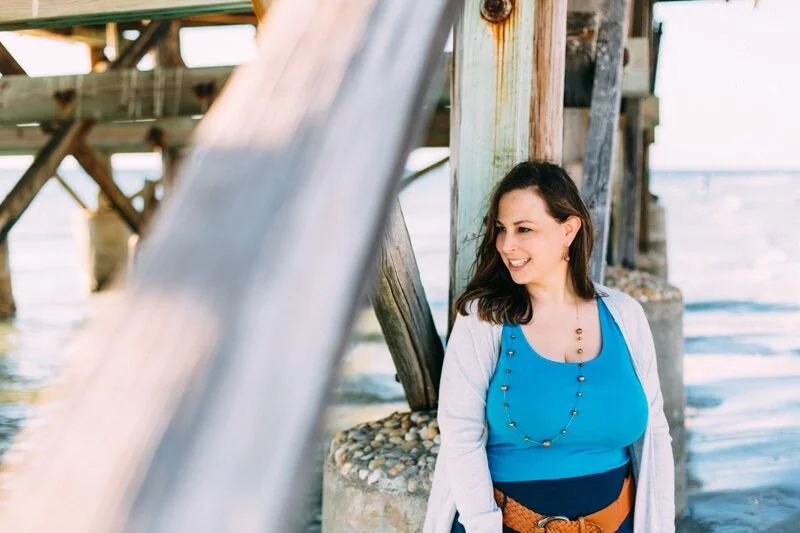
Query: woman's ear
point(571, 227)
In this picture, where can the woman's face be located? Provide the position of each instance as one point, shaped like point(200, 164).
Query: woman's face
point(530, 242)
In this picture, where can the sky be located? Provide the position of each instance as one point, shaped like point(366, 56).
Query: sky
point(727, 75)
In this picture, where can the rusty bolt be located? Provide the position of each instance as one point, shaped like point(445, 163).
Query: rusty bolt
point(204, 90)
point(496, 10)
point(64, 99)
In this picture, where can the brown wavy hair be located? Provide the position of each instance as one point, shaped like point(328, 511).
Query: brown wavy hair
point(499, 299)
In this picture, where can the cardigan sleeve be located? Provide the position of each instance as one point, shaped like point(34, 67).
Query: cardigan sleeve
point(468, 367)
point(663, 459)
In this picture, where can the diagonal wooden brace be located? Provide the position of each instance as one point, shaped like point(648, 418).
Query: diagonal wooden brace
point(65, 137)
point(99, 171)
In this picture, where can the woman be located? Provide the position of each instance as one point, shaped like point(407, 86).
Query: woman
point(550, 406)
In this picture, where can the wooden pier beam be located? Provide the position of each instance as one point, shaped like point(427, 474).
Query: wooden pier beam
point(121, 94)
point(111, 137)
point(23, 14)
point(603, 121)
point(405, 316)
point(169, 421)
point(507, 107)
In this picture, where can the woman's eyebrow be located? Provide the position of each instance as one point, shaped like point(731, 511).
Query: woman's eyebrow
point(518, 222)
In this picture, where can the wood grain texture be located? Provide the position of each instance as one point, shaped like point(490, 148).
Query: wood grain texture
point(635, 172)
point(128, 136)
point(19, 14)
point(630, 215)
point(101, 173)
point(490, 119)
point(34, 178)
point(196, 401)
point(123, 94)
point(547, 98)
point(405, 316)
point(603, 120)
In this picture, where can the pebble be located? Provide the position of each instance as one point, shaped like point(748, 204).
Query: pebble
point(375, 463)
point(640, 285)
point(347, 468)
point(396, 469)
point(402, 447)
point(429, 433)
point(374, 477)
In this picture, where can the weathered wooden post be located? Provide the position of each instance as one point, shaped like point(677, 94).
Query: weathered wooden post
point(204, 340)
point(603, 120)
point(405, 316)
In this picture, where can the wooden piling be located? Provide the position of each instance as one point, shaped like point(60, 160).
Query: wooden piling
point(405, 316)
point(603, 120)
point(634, 165)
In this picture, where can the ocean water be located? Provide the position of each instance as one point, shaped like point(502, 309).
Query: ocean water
point(733, 249)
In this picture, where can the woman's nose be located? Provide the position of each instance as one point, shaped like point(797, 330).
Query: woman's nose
point(507, 243)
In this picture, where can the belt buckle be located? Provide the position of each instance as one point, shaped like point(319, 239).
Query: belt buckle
point(543, 521)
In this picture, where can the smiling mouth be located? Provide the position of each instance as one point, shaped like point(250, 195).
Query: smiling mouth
point(517, 263)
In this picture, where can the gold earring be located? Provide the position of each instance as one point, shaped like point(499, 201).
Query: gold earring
point(566, 255)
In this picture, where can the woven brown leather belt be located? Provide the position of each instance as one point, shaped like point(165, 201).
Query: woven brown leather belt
point(607, 520)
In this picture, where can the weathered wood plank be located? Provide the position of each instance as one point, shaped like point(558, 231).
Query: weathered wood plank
point(603, 120)
point(503, 111)
point(547, 97)
point(43, 167)
point(405, 316)
point(21, 14)
point(490, 119)
point(630, 214)
point(123, 94)
point(112, 137)
point(169, 422)
point(101, 173)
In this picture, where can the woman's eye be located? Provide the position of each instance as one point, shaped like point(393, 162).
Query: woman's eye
point(524, 230)
point(500, 229)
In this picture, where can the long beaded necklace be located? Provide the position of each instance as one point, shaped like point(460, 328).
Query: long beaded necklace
point(581, 379)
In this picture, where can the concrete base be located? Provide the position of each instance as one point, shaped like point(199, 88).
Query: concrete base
point(349, 507)
point(663, 306)
point(666, 323)
point(377, 476)
point(8, 306)
point(108, 239)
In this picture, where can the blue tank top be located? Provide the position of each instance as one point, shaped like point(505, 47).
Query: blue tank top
point(541, 395)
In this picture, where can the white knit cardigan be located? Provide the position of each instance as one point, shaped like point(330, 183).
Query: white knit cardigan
point(461, 478)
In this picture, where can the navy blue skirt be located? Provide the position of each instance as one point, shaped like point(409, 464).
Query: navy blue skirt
point(571, 497)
